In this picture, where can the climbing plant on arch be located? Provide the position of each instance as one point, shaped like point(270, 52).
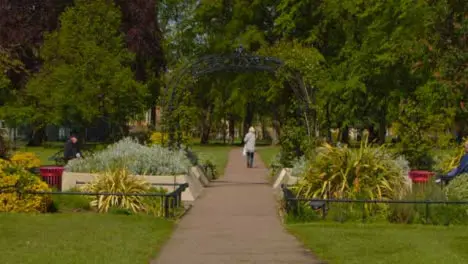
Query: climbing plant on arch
point(180, 84)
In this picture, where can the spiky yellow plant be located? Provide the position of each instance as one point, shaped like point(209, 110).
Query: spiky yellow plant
point(118, 181)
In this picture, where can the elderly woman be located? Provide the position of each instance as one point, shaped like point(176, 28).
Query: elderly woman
point(249, 141)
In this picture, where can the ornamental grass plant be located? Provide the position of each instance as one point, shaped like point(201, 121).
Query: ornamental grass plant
point(367, 173)
point(118, 181)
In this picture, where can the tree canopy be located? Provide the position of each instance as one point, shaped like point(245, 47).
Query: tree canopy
point(350, 64)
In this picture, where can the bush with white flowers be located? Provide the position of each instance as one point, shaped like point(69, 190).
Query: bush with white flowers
point(136, 158)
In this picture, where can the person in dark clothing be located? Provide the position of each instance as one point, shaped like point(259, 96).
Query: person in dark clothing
point(72, 149)
point(462, 168)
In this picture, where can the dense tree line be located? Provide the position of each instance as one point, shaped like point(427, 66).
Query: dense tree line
point(356, 64)
point(49, 48)
point(361, 61)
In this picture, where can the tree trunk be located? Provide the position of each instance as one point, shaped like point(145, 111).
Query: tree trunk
point(232, 129)
point(329, 134)
point(153, 117)
point(372, 135)
point(206, 127)
point(264, 131)
point(382, 130)
point(37, 136)
point(345, 135)
point(224, 130)
point(248, 118)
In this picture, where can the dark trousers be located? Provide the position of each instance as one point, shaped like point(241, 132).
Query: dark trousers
point(250, 159)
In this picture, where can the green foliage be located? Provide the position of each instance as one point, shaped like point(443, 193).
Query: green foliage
point(436, 214)
point(294, 144)
point(299, 167)
point(458, 188)
point(86, 72)
point(417, 130)
point(447, 160)
point(368, 172)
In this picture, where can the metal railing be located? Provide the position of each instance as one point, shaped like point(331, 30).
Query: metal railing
point(169, 202)
point(292, 203)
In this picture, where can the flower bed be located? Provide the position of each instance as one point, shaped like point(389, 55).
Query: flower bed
point(136, 158)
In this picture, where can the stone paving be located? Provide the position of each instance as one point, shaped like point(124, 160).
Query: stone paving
point(235, 221)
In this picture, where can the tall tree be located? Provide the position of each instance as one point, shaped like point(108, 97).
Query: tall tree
point(86, 73)
point(144, 38)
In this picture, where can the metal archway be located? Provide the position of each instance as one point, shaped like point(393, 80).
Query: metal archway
point(236, 62)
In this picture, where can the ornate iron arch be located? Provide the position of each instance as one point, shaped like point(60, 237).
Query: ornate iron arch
point(239, 61)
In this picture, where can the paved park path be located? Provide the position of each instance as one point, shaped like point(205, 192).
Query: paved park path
point(235, 221)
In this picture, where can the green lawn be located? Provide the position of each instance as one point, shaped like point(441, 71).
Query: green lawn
point(80, 238)
point(268, 153)
point(218, 154)
point(44, 153)
point(384, 243)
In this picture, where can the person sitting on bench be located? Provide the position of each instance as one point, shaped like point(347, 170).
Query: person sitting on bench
point(462, 168)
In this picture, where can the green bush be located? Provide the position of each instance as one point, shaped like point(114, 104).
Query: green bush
point(435, 214)
point(416, 129)
point(275, 165)
point(299, 167)
point(294, 144)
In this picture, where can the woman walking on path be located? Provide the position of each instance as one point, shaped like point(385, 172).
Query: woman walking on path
point(249, 147)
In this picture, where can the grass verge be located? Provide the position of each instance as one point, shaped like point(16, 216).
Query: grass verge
point(384, 243)
point(80, 238)
point(268, 153)
point(218, 154)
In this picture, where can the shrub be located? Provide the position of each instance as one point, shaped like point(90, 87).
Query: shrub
point(299, 167)
point(134, 157)
point(446, 161)
point(436, 214)
point(118, 181)
point(158, 138)
point(458, 188)
point(18, 180)
point(294, 143)
point(27, 160)
point(368, 172)
point(275, 165)
point(206, 162)
point(416, 129)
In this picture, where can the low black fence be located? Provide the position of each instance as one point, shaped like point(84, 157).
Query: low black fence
point(295, 206)
point(167, 204)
